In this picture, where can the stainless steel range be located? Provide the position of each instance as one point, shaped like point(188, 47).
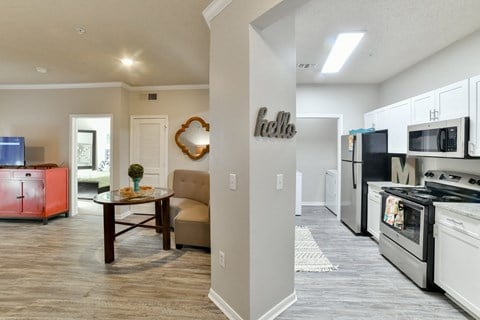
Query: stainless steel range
point(406, 229)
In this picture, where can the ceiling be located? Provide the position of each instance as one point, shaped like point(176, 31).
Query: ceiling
point(399, 33)
point(169, 39)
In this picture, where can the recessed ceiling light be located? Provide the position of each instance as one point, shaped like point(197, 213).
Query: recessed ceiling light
point(80, 29)
point(127, 62)
point(342, 49)
point(41, 69)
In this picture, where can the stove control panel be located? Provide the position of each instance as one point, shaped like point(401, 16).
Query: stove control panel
point(460, 179)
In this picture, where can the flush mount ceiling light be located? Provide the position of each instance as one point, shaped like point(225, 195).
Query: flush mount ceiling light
point(127, 62)
point(342, 49)
point(41, 69)
point(80, 29)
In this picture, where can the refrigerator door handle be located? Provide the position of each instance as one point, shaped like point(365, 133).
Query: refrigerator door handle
point(353, 162)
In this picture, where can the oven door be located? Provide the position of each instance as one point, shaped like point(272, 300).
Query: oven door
point(412, 235)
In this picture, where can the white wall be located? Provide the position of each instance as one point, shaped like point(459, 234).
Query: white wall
point(456, 62)
point(316, 153)
point(352, 101)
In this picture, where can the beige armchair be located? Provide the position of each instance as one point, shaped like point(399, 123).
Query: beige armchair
point(189, 208)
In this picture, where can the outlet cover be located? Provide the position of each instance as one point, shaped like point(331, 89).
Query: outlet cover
point(221, 258)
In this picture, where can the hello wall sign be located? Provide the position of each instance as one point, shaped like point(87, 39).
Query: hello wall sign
point(280, 128)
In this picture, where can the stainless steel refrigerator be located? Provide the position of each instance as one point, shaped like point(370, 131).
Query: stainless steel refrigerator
point(364, 158)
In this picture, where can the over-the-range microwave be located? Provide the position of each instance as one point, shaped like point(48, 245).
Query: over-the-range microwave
point(445, 139)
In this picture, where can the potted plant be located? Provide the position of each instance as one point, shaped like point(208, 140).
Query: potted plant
point(135, 171)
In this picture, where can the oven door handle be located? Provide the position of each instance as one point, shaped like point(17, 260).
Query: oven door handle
point(409, 203)
point(442, 140)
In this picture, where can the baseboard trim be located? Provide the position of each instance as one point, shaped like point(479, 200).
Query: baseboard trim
point(280, 307)
point(313, 204)
point(269, 315)
point(223, 306)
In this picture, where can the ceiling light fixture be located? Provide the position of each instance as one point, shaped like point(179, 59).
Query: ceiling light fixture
point(80, 29)
point(127, 62)
point(342, 49)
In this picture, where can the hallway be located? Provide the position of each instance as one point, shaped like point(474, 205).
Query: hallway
point(365, 285)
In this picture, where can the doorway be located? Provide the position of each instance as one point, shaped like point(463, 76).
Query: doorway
point(318, 150)
point(90, 160)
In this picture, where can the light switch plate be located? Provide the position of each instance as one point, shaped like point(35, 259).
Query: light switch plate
point(279, 181)
point(232, 181)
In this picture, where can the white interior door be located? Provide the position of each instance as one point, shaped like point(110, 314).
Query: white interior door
point(148, 147)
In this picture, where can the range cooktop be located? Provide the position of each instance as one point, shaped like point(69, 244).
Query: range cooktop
point(441, 186)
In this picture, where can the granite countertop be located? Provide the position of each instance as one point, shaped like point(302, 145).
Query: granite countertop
point(471, 210)
point(381, 184)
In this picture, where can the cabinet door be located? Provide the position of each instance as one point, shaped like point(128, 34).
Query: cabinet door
point(33, 197)
point(474, 143)
point(457, 257)
point(10, 195)
point(452, 101)
point(373, 214)
point(370, 119)
point(383, 120)
point(398, 119)
point(422, 107)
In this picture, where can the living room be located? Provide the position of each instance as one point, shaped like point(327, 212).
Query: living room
point(46, 105)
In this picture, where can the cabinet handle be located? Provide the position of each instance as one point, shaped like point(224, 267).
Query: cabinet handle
point(20, 197)
point(458, 223)
point(28, 174)
point(431, 115)
point(435, 114)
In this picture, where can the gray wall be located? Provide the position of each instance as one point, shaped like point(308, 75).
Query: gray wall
point(179, 106)
point(316, 153)
point(42, 116)
point(456, 62)
point(253, 225)
point(351, 101)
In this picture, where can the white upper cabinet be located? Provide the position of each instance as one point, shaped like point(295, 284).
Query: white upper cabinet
point(398, 118)
point(452, 101)
point(422, 107)
point(445, 103)
point(474, 143)
point(383, 120)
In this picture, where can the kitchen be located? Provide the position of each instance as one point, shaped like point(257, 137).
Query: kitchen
point(449, 76)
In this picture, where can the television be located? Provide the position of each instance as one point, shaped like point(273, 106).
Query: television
point(12, 151)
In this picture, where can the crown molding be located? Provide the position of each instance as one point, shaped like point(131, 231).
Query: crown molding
point(173, 87)
point(214, 9)
point(62, 86)
point(91, 85)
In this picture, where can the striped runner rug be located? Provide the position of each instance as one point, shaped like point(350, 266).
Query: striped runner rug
point(308, 256)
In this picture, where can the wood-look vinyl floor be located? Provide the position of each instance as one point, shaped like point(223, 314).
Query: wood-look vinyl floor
point(57, 271)
point(365, 286)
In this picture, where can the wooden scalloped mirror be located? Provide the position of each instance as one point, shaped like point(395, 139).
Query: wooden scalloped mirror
point(193, 138)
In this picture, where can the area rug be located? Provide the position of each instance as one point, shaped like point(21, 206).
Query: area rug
point(308, 256)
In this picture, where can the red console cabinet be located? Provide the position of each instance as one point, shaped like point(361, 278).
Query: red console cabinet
point(33, 193)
